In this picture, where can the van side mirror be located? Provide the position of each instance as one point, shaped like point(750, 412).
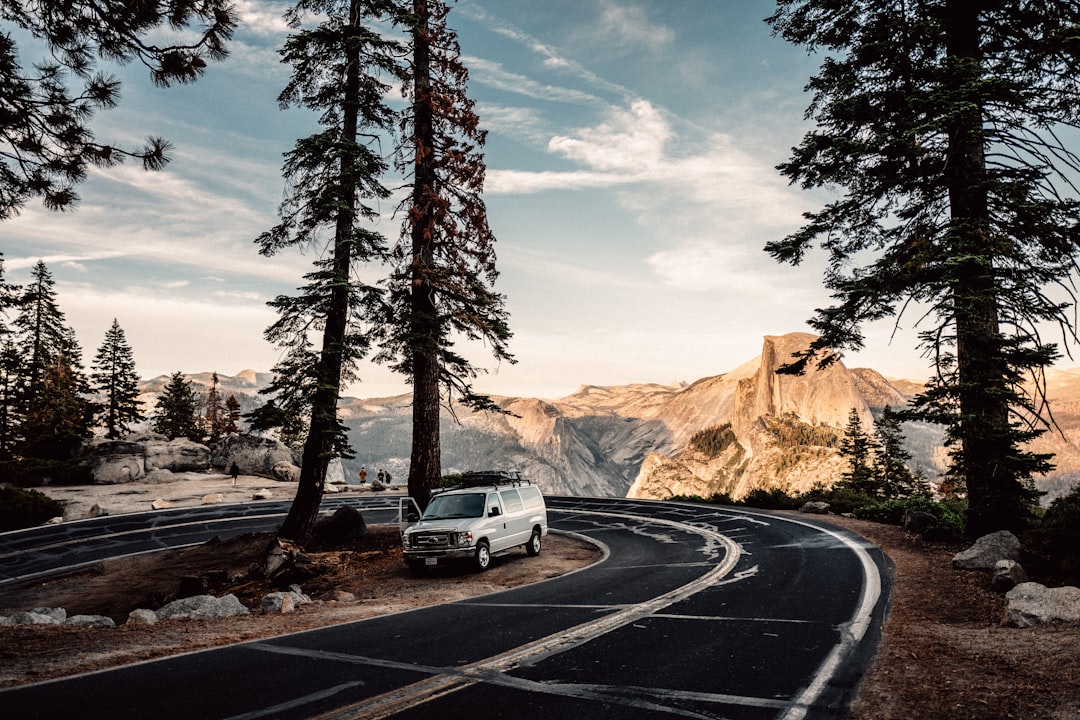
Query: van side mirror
point(494, 512)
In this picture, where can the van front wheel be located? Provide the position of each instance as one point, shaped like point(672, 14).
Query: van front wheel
point(483, 556)
point(533, 546)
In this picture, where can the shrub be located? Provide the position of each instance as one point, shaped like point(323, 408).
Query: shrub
point(30, 472)
point(1057, 536)
point(770, 499)
point(25, 508)
point(841, 499)
point(892, 512)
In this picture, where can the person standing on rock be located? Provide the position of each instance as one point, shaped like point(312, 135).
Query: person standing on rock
point(234, 471)
point(363, 475)
point(381, 477)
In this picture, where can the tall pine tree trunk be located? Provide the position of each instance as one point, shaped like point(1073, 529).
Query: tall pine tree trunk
point(319, 446)
point(425, 465)
point(986, 442)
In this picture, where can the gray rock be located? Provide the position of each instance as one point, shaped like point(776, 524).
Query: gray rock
point(97, 621)
point(298, 595)
point(987, 550)
point(254, 455)
point(279, 603)
point(203, 606)
point(815, 507)
point(142, 616)
point(57, 614)
point(95, 511)
point(285, 472)
point(179, 455)
point(33, 618)
point(213, 499)
point(1007, 575)
point(5, 620)
point(262, 494)
point(115, 461)
point(1030, 604)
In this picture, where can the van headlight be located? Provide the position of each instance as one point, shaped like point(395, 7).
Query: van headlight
point(464, 538)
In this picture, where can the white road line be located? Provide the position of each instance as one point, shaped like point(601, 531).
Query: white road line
point(493, 669)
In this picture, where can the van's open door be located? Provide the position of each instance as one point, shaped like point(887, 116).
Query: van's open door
point(408, 513)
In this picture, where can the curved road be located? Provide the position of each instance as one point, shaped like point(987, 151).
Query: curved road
point(695, 611)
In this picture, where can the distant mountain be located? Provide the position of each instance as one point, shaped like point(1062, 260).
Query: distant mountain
point(746, 428)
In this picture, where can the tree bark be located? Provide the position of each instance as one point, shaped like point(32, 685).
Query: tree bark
point(984, 433)
point(319, 446)
point(425, 465)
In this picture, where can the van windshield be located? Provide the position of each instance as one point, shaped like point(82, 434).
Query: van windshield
point(442, 507)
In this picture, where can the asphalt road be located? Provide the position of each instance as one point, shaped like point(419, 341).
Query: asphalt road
point(695, 611)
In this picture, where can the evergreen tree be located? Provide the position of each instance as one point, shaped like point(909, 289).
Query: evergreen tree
point(857, 447)
point(46, 144)
point(114, 377)
point(232, 415)
point(12, 393)
point(58, 417)
point(288, 409)
point(940, 121)
point(41, 325)
point(891, 471)
point(176, 412)
point(215, 416)
point(334, 175)
point(12, 390)
point(441, 290)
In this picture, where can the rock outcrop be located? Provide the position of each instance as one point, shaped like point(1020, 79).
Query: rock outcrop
point(255, 455)
point(141, 457)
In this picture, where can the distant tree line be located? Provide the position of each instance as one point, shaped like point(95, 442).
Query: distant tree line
point(50, 403)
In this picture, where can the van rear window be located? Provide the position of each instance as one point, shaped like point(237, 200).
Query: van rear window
point(511, 501)
point(532, 497)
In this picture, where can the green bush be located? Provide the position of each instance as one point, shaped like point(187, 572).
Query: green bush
point(892, 512)
point(1057, 536)
point(25, 508)
point(32, 472)
point(771, 499)
point(841, 499)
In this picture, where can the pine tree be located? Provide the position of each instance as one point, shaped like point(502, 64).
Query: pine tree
point(215, 416)
point(857, 447)
point(58, 416)
point(232, 415)
point(441, 290)
point(338, 69)
point(41, 325)
point(12, 394)
point(176, 412)
point(114, 377)
point(46, 144)
point(12, 390)
point(891, 471)
point(940, 122)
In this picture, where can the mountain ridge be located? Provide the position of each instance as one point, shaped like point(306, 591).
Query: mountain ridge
point(634, 440)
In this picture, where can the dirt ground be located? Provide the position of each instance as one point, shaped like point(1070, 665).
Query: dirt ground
point(944, 653)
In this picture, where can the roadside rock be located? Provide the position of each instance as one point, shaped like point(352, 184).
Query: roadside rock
point(142, 616)
point(213, 499)
point(262, 494)
point(987, 550)
point(1030, 604)
point(285, 472)
point(203, 606)
point(815, 508)
point(1007, 575)
point(94, 621)
point(179, 455)
point(919, 521)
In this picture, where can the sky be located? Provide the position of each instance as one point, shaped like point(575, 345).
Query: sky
point(631, 186)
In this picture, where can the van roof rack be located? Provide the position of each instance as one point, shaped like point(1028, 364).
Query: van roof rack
point(491, 477)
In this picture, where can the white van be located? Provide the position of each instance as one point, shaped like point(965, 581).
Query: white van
point(488, 515)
